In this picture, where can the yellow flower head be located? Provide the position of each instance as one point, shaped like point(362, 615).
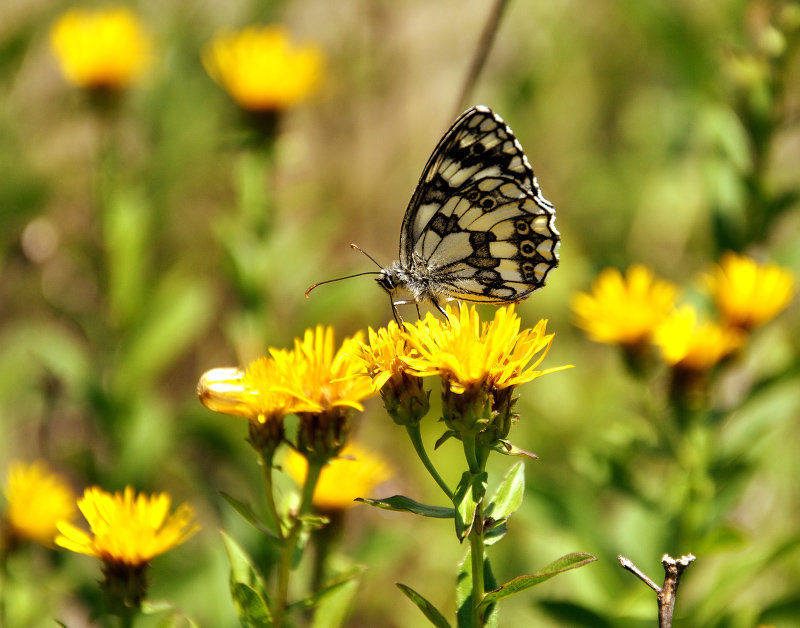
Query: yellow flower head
point(383, 356)
point(624, 310)
point(126, 528)
point(257, 393)
point(261, 69)
point(102, 48)
point(748, 294)
point(692, 345)
point(354, 474)
point(37, 499)
point(321, 378)
point(467, 352)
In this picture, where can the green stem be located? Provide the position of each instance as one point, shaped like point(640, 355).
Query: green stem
point(470, 452)
point(269, 487)
point(416, 439)
point(476, 554)
point(288, 551)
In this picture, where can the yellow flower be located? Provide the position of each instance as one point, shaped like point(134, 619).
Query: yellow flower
point(126, 528)
point(402, 392)
point(321, 378)
point(748, 294)
point(355, 473)
point(102, 48)
point(624, 310)
point(467, 352)
point(688, 344)
point(256, 393)
point(37, 499)
point(261, 69)
point(383, 355)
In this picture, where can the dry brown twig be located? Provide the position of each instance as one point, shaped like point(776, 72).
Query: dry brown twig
point(666, 594)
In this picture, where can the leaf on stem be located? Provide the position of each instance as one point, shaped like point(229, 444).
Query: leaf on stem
point(469, 493)
point(247, 589)
point(508, 449)
point(464, 593)
point(401, 503)
point(444, 438)
point(310, 601)
point(428, 609)
point(520, 583)
point(504, 503)
point(269, 528)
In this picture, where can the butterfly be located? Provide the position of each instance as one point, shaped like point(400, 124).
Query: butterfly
point(477, 227)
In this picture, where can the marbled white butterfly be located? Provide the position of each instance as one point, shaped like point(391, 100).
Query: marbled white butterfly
point(477, 227)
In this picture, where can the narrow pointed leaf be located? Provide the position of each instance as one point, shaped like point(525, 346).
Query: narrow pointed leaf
point(401, 503)
point(334, 607)
point(428, 609)
point(250, 607)
point(444, 438)
point(311, 600)
point(464, 593)
point(242, 570)
point(508, 496)
point(469, 493)
point(520, 583)
point(245, 510)
point(507, 449)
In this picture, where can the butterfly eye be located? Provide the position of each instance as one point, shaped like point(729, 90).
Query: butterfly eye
point(473, 196)
point(487, 202)
point(527, 269)
point(477, 148)
point(522, 227)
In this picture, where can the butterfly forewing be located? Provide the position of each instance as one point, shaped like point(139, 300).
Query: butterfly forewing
point(477, 223)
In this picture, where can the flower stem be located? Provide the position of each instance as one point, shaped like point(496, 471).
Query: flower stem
point(266, 472)
point(288, 551)
point(476, 554)
point(416, 439)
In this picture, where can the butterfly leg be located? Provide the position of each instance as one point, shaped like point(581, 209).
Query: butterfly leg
point(397, 318)
point(419, 315)
point(437, 305)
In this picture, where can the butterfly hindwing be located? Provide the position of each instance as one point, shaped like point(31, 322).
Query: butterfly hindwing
point(490, 241)
point(477, 223)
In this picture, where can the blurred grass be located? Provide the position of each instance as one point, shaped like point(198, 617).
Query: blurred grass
point(120, 288)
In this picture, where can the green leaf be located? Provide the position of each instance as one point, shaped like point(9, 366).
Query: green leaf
point(464, 593)
point(520, 583)
point(247, 513)
point(310, 601)
point(507, 449)
point(444, 438)
point(250, 607)
point(334, 607)
point(245, 584)
point(401, 503)
point(508, 496)
point(428, 609)
point(505, 501)
point(469, 493)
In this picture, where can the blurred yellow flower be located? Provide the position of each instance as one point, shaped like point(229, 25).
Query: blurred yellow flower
point(320, 377)
point(688, 344)
point(36, 500)
point(100, 48)
point(624, 310)
point(467, 352)
point(126, 528)
point(747, 293)
point(355, 473)
point(262, 69)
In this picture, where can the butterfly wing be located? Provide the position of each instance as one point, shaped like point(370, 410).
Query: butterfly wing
point(477, 221)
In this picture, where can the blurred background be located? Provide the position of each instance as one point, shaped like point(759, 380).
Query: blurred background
point(144, 241)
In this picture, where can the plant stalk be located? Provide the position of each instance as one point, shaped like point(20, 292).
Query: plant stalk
point(416, 439)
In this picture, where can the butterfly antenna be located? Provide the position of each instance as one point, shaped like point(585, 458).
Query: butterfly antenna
point(355, 247)
point(370, 272)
